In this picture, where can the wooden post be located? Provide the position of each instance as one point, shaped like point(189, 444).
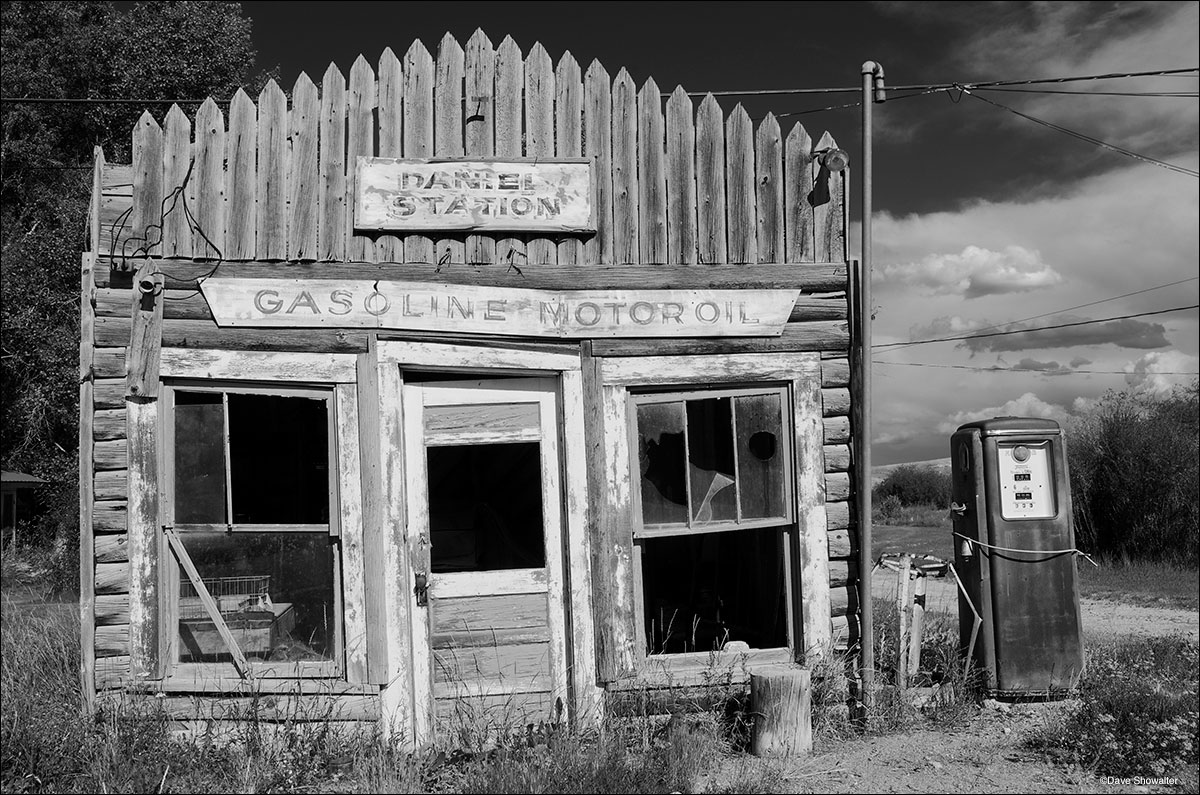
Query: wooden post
point(903, 608)
point(781, 698)
point(918, 624)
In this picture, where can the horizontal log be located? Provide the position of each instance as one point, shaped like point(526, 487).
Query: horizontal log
point(108, 363)
point(109, 517)
point(843, 600)
point(110, 485)
point(205, 334)
point(110, 455)
point(827, 277)
point(113, 548)
point(815, 336)
point(837, 430)
point(108, 424)
point(842, 573)
point(837, 515)
point(112, 578)
point(265, 707)
point(835, 402)
point(112, 609)
point(112, 640)
point(837, 486)
point(837, 457)
point(845, 632)
point(841, 543)
point(835, 373)
point(108, 393)
point(112, 672)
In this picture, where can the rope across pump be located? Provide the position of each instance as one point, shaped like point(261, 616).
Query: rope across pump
point(1048, 554)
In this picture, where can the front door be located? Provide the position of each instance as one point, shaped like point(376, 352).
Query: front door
point(485, 510)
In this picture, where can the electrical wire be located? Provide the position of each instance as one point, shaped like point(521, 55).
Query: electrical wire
point(1039, 328)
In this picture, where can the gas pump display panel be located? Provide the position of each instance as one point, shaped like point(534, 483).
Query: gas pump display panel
point(1026, 480)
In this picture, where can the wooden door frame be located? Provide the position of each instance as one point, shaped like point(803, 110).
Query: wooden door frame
point(391, 359)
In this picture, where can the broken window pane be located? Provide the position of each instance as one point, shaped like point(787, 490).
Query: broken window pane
point(485, 507)
point(761, 456)
point(279, 459)
point(662, 462)
point(275, 592)
point(199, 458)
point(710, 460)
point(703, 590)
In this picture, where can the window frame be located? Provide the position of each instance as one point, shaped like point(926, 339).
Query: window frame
point(170, 575)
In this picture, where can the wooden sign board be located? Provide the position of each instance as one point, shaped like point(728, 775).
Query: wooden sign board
point(473, 195)
point(500, 311)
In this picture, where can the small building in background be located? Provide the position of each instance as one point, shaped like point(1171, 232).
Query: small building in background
point(18, 492)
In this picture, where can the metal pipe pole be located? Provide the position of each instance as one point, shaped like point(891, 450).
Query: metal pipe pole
point(870, 70)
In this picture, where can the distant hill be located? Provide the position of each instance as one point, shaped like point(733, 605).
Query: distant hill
point(880, 472)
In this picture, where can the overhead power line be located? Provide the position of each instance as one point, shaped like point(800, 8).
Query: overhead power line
point(1039, 328)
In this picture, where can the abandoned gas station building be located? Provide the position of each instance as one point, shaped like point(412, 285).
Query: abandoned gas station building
point(472, 379)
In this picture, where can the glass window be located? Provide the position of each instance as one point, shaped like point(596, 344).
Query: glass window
point(251, 504)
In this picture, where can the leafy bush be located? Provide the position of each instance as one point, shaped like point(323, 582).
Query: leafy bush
point(1135, 474)
point(915, 485)
point(1138, 712)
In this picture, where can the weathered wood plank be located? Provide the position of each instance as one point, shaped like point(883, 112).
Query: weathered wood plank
point(798, 183)
point(108, 424)
point(539, 135)
point(110, 517)
point(418, 130)
point(110, 392)
point(837, 515)
point(509, 86)
point(836, 402)
point(568, 136)
point(241, 177)
point(143, 536)
point(837, 458)
point(681, 179)
point(270, 215)
point(448, 128)
point(111, 547)
point(837, 486)
point(843, 600)
point(108, 362)
point(112, 609)
point(518, 664)
point(146, 218)
point(742, 218)
point(768, 165)
point(841, 544)
point(390, 113)
point(331, 187)
point(479, 135)
point(829, 236)
point(710, 183)
point(145, 343)
point(652, 176)
point(177, 162)
point(303, 176)
point(328, 368)
point(837, 430)
point(811, 519)
point(110, 455)
point(360, 141)
point(625, 169)
point(112, 640)
point(835, 373)
point(111, 672)
point(112, 578)
point(112, 485)
point(204, 334)
point(272, 708)
point(374, 517)
point(350, 520)
point(207, 195)
point(87, 593)
point(597, 145)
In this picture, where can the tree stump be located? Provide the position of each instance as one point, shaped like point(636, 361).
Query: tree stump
point(781, 699)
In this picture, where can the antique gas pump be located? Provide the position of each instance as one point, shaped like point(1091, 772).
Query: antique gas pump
point(1015, 553)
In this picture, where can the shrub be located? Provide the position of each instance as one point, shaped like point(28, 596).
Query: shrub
point(915, 485)
point(1134, 476)
point(1138, 711)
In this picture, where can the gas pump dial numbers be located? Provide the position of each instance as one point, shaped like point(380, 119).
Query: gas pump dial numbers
point(1026, 481)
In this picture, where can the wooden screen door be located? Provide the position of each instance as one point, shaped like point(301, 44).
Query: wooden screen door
point(485, 512)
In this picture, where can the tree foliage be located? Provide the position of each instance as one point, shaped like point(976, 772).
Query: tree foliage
point(916, 485)
point(1135, 476)
point(61, 50)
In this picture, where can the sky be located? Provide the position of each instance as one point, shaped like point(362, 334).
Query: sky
point(982, 218)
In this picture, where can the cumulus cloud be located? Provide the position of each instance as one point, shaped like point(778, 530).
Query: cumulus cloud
point(1128, 333)
point(1160, 372)
point(1078, 362)
point(1045, 368)
point(1027, 405)
point(976, 272)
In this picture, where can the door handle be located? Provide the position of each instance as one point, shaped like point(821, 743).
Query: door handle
point(421, 589)
point(958, 510)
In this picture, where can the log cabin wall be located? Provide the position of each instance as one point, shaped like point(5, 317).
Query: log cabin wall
point(687, 195)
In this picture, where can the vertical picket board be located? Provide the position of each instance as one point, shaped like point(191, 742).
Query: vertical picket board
point(624, 168)
point(710, 182)
point(510, 251)
point(597, 145)
point(303, 126)
point(827, 216)
point(241, 177)
point(271, 213)
point(177, 160)
point(652, 176)
point(479, 135)
point(568, 135)
point(448, 128)
point(360, 141)
point(768, 165)
point(418, 130)
point(207, 198)
point(739, 171)
point(331, 229)
point(681, 179)
point(390, 248)
point(146, 216)
point(539, 135)
point(798, 182)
